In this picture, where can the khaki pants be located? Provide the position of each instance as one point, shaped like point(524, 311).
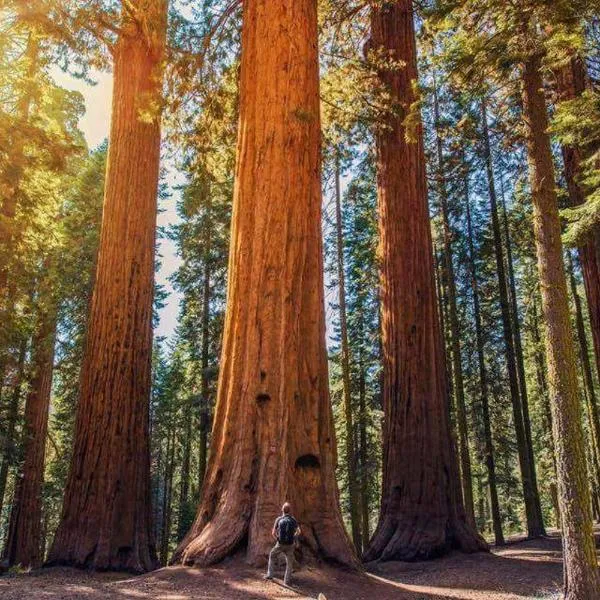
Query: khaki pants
point(288, 551)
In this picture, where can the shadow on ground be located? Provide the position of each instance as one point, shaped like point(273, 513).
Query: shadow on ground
point(529, 569)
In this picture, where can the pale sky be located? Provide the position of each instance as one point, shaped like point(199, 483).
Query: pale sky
point(95, 125)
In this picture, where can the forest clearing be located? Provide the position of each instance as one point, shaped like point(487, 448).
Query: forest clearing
point(300, 297)
point(523, 569)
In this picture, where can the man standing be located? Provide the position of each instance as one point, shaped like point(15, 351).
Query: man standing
point(284, 531)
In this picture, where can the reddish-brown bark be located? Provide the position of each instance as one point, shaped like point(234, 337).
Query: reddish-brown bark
point(106, 520)
point(273, 437)
point(421, 512)
point(24, 543)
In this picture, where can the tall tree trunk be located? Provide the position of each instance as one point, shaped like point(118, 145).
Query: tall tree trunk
point(106, 518)
point(490, 462)
point(165, 532)
point(572, 82)
point(24, 543)
point(519, 358)
point(184, 487)
point(535, 526)
point(364, 450)
point(582, 580)
point(205, 408)
point(421, 515)
point(353, 489)
point(273, 437)
point(540, 367)
point(8, 451)
point(458, 387)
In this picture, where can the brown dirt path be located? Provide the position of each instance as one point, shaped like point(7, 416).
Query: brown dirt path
point(523, 570)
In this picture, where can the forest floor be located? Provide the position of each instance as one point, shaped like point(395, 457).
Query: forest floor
point(529, 569)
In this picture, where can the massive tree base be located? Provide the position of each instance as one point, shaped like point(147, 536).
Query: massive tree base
point(422, 538)
point(131, 560)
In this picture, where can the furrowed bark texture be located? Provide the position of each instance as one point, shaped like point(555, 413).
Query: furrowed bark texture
point(273, 437)
point(582, 580)
point(572, 81)
point(421, 511)
point(106, 519)
point(24, 544)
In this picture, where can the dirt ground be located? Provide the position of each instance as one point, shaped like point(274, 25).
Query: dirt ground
point(524, 569)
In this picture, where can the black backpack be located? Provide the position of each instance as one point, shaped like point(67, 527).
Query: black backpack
point(286, 529)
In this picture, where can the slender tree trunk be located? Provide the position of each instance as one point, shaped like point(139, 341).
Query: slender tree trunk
point(490, 462)
point(273, 437)
point(24, 543)
point(582, 580)
point(540, 367)
point(13, 414)
point(535, 526)
point(364, 451)
point(353, 488)
point(459, 388)
point(106, 519)
point(205, 408)
point(184, 487)
point(422, 514)
point(165, 533)
point(572, 82)
point(520, 361)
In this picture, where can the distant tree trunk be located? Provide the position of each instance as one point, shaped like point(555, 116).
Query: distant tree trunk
point(490, 462)
point(421, 515)
point(184, 486)
point(520, 361)
point(572, 82)
point(458, 387)
point(8, 452)
point(540, 368)
point(24, 543)
point(273, 437)
point(205, 408)
point(353, 488)
point(535, 525)
point(165, 532)
point(582, 580)
point(106, 519)
point(364, 451)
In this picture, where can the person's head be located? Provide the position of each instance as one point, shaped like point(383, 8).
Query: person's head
point(286, 509)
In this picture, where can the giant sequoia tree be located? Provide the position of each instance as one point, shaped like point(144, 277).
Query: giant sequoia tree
point(422, 513)
point(273, 436)
point(105, 522)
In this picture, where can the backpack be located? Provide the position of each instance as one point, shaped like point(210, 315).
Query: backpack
point(286, 528)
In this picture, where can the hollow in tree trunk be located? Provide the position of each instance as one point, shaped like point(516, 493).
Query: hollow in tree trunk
point(421, 514)
point(273, 437)
point(106, 518)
